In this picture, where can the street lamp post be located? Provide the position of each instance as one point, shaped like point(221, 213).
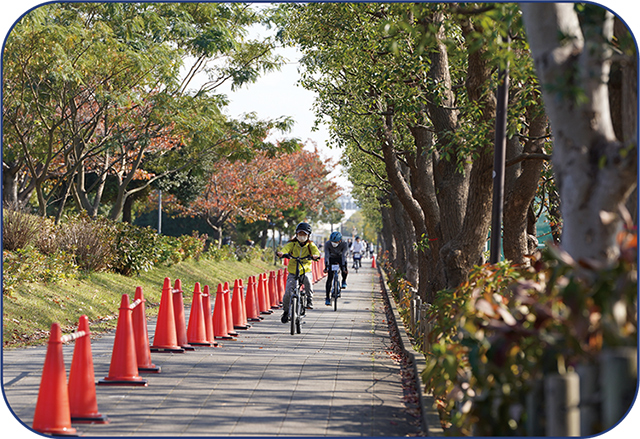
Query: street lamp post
point(499, 162)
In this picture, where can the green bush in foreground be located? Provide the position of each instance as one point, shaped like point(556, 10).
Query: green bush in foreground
point(507, 327)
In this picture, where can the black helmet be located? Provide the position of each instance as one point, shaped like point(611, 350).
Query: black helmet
point(304, 227)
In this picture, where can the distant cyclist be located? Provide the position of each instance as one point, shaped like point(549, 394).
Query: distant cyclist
point(299, 246)
point(336, 251)
point(356, 249)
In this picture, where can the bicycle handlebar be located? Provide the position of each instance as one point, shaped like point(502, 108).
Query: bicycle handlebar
point(289, 256)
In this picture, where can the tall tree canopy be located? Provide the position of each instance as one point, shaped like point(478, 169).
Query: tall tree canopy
point(408, 91)
point(101, 92)
point(262, 189)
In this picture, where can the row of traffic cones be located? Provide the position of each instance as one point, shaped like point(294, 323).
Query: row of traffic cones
point(58, 404)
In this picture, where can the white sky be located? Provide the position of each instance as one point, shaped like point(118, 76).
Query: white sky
point(276, 95)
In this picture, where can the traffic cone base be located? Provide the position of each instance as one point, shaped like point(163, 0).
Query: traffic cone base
point(99, 419)
point(134, 381)
point(167, 349)
point(154, 369)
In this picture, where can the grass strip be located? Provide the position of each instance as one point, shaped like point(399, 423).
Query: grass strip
point(27, 315)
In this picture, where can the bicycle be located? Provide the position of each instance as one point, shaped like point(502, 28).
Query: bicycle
point(335, 289)
point(298, 302)
point(357, 257)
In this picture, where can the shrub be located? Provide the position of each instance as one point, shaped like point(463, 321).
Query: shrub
point(19, 229)
point(169, 251)
point(504, 329)
point(193, 246)
point(221, 254)
point(136, 249)
point(48, 239)
point(89, 240)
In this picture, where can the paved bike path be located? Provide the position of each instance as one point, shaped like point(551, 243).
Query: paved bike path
point(335, 379)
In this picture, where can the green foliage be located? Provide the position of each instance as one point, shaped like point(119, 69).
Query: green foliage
point(140, 248)
point(226, 252)
point(27, 265)
point(135, 249)
point(192, 246)
point(497, 334)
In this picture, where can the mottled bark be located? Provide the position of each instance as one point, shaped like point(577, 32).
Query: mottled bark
point(595, 171)
point(521, 190)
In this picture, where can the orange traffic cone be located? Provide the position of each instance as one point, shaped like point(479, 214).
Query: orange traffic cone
point(141, 336)
point(280, 285)
point(178, 314)
point(220, 316)
point(267, 291)
point(196, 331)
point(208, 318)
point(251, 301)
point(52, 415)
point(243, 304)
point(373, 261)
point(239, 318)
point(165, 338)
point(227, 302)
point(263, 299)
point(83, 404)
point(273, 292)
point(123, 370)
point(314, 273)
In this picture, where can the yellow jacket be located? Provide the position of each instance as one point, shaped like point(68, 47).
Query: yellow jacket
point(299, 251)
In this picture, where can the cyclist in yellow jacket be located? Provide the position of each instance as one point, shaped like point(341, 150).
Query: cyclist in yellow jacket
point(299, 246)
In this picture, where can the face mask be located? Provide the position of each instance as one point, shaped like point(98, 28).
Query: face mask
point(335, 244)
point(302, 238)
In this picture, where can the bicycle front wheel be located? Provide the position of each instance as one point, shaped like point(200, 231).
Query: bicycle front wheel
point(336, 291)
point(293, 313)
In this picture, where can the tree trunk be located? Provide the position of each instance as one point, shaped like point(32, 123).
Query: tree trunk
point(407, 258)
point(389, 233)
point(465, 250)
point(451, 173)
point(403, 192)
point(424, 191)
point(595, 171)
point(522, 191)
point(10, 183)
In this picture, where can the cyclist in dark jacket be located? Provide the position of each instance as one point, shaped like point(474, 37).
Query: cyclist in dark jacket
point(336, 251)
